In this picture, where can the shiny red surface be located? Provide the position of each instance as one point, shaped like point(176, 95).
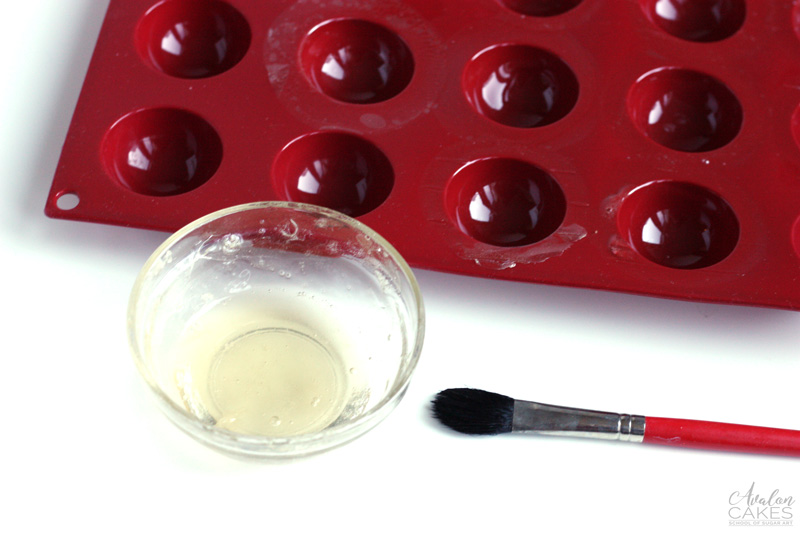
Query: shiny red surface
point(356, 61)
point(722, 437)
point(697, 20)
point(655, 144)
point(161, 152)
point(520, 86)
point(678, 224)
point(182, 40)
point(684, 110)
point(336, 170)
point(505, 202)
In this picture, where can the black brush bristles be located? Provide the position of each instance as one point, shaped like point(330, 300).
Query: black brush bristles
point(474, 411)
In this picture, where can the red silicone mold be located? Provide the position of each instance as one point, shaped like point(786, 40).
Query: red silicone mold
point(648, 146)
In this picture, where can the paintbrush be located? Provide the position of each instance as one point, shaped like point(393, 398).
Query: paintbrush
point(478, 412)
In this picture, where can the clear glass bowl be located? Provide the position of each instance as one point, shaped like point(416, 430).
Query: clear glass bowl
point(276, 329)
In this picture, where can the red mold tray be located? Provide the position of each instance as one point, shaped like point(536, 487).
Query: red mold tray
point(647, 146)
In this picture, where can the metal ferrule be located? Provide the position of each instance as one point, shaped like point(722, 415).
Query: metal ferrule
point(543, 419)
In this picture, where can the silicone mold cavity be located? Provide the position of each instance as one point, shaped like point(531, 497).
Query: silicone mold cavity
point(678, 224)
point(540, 8)
point(496, 138)
point(684, 110)
point(505, 202)
point(356, 61)
point(161, 151)
point(335, 170)
point(192, 38)
point(520, 85)
point(696, 20)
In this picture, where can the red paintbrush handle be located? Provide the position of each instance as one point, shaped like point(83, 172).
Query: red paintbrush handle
point(720, 436)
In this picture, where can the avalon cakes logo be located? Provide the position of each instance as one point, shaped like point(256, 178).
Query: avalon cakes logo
point(751, 508)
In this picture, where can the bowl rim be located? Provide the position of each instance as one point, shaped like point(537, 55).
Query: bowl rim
point(302, 444)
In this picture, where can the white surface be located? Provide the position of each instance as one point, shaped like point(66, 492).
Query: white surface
point(84, 446)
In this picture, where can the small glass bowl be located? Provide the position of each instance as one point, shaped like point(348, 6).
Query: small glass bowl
point(276, 329)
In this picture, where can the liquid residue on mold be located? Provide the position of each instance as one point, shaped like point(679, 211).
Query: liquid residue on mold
point(494, 258)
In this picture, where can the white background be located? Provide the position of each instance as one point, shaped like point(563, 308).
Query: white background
point(83, 446)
